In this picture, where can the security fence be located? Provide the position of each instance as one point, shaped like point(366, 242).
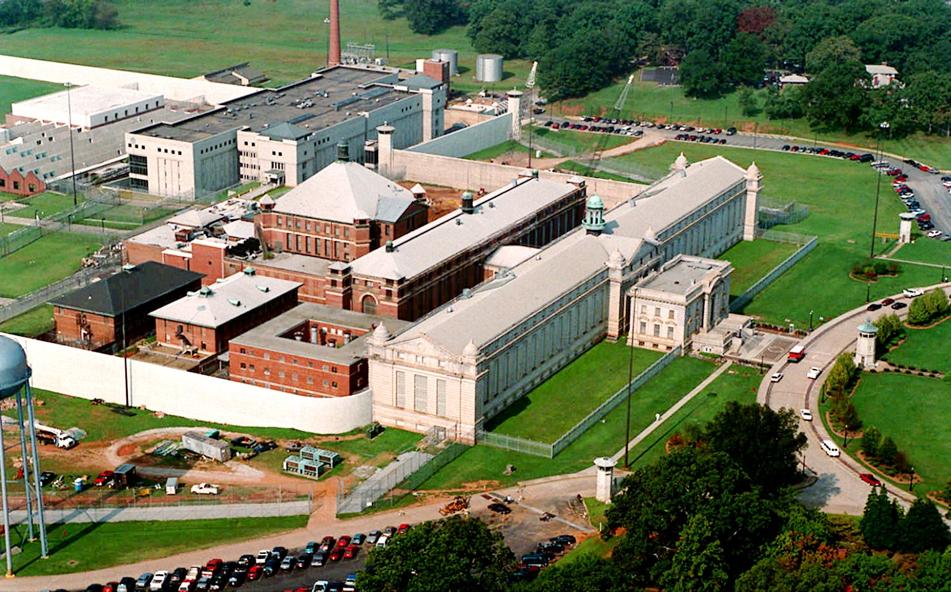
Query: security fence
point(515, 444)
point(807, 244)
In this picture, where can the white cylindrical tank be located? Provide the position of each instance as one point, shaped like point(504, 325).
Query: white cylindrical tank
point(448, 55)
point(489, 67)
point(419, 64)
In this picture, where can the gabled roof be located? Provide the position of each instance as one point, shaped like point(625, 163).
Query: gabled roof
point(285, 131)
point(128, 289)
point(344, 192)
point(880, 69)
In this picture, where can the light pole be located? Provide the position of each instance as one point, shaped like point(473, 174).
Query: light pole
point(671, 118)
point(878, 189)
point(72, 154)
point(911, 482)
point(810, 321)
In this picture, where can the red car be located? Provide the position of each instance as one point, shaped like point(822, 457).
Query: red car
point(870, 479)
point(351, 551)
point(255, 572)
point(336, 554)
point(343, 541)
point(104, 478)
point(402, 528)
point(212, 567)
point(888, 301)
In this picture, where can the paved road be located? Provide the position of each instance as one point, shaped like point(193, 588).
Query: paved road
point(839, 488)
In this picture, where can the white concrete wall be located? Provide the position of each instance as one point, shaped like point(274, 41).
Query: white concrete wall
point(471, 139)
point(176, 89)
point(90, 375)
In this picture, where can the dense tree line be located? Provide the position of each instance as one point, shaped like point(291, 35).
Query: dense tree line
point(70, 14)
point(584, 45)
point(716, 514)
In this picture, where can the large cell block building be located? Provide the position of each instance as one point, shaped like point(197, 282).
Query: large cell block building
point(470, 359)
point(284, 135)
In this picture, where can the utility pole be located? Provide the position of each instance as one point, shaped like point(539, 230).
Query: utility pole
point(630, 379)
point(878, 188)
point(530, 85)
point(615, 114)
point(72, 154)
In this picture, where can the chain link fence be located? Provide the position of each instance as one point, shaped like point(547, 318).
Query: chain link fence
point(516, 444)
point(806, 245)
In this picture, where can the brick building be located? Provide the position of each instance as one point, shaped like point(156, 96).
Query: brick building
point(310, 350)
point(17, 183)
point(204, 321)
point(93, 316)
point(341, 213)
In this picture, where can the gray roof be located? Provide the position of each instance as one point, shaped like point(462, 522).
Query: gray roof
point(344, 192)
point(420, 81)
point(225, 300)
point(269, 335)
point(682, 274)
point(455, 232)
point(284, 131)
point(494, 307)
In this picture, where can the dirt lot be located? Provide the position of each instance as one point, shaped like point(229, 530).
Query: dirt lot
point(442, 199)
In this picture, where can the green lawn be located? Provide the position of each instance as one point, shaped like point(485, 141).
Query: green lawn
point(926, 348)
point(649, 100)
point(31, 323)
point(126, 216)
point(566, 398)
point(499, 150)
point(6, 229)
point(45, 205)
point(739, 384)
point(51, 258)
point(573, 166)
point(916, 413)
point(19, 89)
point(569, 143)
point(840, 196)
point(286, 39)
point(752, 260)
point(484, 463)
point(84, 547)
point(928, 251)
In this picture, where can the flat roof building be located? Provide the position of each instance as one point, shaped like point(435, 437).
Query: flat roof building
point(311, 350)
point(96, 315)
point(88, 106)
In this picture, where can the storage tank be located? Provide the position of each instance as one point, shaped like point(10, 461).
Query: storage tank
point(14, 372)
point(448, 55)
point(489, 67)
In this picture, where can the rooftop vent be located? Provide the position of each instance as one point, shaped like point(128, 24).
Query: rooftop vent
point(264, 289)
point(390, 247)
point(128, 267)
point(234, 302)
point(205, 291)
point(468, 207)
point(467, 293)
point(249, 270)
point(458, 221)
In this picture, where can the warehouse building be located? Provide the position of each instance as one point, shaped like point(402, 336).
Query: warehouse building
point(470, 359)
point(285, 135)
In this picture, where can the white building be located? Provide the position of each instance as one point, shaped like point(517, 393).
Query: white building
point(882, 74)
point(88, 106)
point(686, 296)
point(473, 357)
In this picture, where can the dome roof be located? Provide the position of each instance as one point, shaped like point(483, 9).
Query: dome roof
point(471, 350)
point(13, 368)
point(380, 334)
point(616, 259)
point(595, 202)
point(680, 163)
point(868, 327)
point(753, 171)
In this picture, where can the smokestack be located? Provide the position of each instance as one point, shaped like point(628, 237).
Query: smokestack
point(333, 54)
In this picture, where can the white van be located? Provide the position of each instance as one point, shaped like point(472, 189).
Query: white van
point(382, 541)
point(829, 447)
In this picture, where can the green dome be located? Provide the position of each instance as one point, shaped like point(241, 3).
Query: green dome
point(868, 327)
point(595, 202)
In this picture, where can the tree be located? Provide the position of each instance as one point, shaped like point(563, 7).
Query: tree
point(922, 529)
point(698, 564)
point(771, 467)
point(747, 101)
point(504, 30)
point(428, 17)
point(391, 9)
point(835, 98)
point(918, 312)
point(784, 103)
point(589, 573)
point(745, 60)
point(888, 452)
point(841, 375)
point(871, 439)
point(889, 329)
point(880, 523)
point(454, 554)
point(831, 51)
point(701, 76)
point(930, 306)
point(756, 20)
point(928, 95)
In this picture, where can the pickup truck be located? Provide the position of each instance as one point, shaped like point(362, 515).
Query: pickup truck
point(205, 489)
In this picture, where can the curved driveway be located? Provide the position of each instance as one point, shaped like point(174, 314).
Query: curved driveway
point(839, 488)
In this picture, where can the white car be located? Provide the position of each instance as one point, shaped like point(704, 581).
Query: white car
point(262, 556)
point(776, 377)
point(158, 581)
point(320, 586)
point(205, 489)
point(935, 234)
point(912, 292)
point(829, 447)
point(805, 414)
point(814, 373)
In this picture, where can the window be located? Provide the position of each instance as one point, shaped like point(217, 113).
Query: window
point(441, 397)
point(643, 329)
point(419, 393)
point(656, 311)
point(670, 332)
point(670, 314)
point(138, 165)
point(656, 330)
point(644, 309)
point(400, 389)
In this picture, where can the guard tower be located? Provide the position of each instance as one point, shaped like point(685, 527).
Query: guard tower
point(594, 215)
point(15, 382)
point(605, 484)
point(904, 227)
point(865, 345)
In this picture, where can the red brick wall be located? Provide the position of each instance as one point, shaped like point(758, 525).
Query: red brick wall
point(101, 330)
point(136, 253)
point(292, 374)
point(19, 184)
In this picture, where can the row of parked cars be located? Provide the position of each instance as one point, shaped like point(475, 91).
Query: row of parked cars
point(218, 574)
point(546, 553)
point(624, 130)
point(907, 196)
point(701, 138)
point(821, 151)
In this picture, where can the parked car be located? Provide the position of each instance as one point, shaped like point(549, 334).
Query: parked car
point(288, 563)
point(776, 377)
point(303, 560)
point(336, 554)
point(311, 547)
point(870, 479)
point(568, 540)
point(373, 537)
point(176, 577)
point(205, 489)
point(319, 559)
point(105, 478)
point(359, 538)
point(351, 551)
point(898, 305)
point(403, 528)
point(814, 373)
point(126, 584)
point(247, 560)
point(279, 552)
point(829, 447)
point(142, 584)
point(342, 542)
point(262, 556)
point(158, 581)
point(805, 414)
point(500, 508)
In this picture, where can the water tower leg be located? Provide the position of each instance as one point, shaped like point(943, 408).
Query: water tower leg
point(26, 469)
point(36, 473)
point(6, 508)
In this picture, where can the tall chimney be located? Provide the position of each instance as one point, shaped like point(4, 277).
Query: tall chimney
point(333, 54)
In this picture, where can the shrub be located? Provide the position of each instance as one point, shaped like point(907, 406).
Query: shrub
point(871, 440)
point(888, 452)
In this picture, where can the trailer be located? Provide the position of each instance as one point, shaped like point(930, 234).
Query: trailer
point(125, 475)
point(206, 446)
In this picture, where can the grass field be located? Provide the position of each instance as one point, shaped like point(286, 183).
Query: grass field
point(567, 397)
point(45, 204)
point(570, 143)
point(916, 413)
point(840, 197)
point(926, 348)
point(31, 323)
point(19, 89)
point(752, 260)
point(649, 100)
point(928, 251)
point(127, 216)
point(286, 39)
point(51, 258)
point(6, 229)
point(500, 150)
point(484, 463)
point(573, 166)
point(83, 547)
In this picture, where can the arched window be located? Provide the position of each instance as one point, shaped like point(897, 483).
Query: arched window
point(368, 304)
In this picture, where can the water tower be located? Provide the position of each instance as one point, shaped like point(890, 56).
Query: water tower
point(15, 382)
